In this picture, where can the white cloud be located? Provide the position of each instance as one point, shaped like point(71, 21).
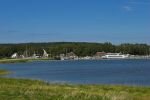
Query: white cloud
point(127, 8)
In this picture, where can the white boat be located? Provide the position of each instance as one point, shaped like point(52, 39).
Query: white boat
point(115, 56)
point(45, 54)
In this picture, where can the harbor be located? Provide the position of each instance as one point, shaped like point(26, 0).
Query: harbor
point(73, 56)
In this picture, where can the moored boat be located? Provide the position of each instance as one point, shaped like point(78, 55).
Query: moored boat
point(115, 56)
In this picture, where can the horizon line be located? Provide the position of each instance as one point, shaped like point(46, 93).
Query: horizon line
point(75, 42)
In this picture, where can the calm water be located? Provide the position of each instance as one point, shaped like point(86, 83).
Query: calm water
point(130, 72)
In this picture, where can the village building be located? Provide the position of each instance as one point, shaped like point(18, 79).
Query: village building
point(99, 55)
point(69, 56)
point(14, 56)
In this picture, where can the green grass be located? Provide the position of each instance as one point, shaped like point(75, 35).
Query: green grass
point(19, 89)
point(3, 72)
point(23, 89)
point(5, 61)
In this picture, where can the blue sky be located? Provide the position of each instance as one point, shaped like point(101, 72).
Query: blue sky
point(116, 21)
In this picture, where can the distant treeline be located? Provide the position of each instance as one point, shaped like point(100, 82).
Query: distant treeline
point(79, 48)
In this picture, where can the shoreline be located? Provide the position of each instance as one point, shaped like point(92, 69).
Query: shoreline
point(4, 72)
point(37, 89)
point(7, 61)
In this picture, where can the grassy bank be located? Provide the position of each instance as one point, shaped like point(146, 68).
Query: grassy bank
point(22, 89)
point(3, 72)
point(5, 61)
point(18, 89)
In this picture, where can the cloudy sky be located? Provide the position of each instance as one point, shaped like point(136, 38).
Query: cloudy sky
point(116, 21)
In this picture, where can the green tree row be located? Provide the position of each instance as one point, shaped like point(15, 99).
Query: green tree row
point(79, 48)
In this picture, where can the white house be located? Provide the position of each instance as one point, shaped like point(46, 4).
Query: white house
point(15, 55)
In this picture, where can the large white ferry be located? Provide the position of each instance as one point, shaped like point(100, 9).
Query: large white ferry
point(115, 56)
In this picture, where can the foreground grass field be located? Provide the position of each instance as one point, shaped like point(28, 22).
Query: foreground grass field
point(21, 89)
